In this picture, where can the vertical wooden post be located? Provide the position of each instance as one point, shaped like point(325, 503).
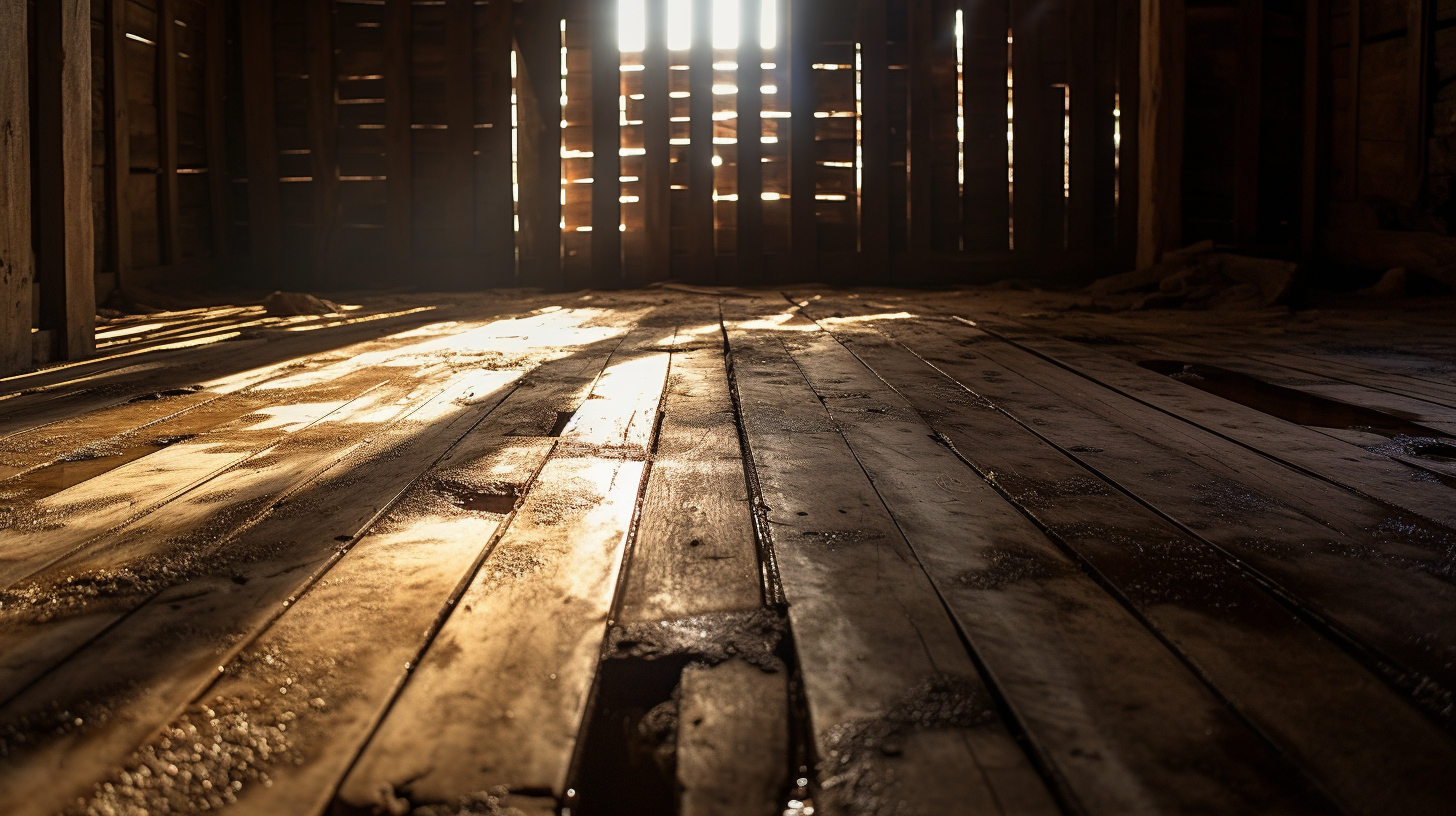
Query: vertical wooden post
point(874, 215)
point(1036, 135)
point(1316, 124)
point(460, 141)
point(922, 109)
point(750, 143)
point(1417, 38)
point(217, 172)
point(804, 227)
point(64, 263)
point(606, 242)
point(323, 138)
point(657, 189)
point(118, 144)
point(985, 203)
point(495, 216)
point(398, 141)
point(1082, 78)
point(701, 230)
point(1160, 130)
point(168, 205)
point(1129, 90)
point(259, 81)
point(538, 35)
point(16, 270)
point(1247, 107)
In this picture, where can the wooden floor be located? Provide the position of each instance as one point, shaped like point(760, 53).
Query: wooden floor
point(724, 552)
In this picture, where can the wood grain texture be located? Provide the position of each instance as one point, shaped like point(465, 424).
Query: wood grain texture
point(732, 745)
point(16, 259)
point(1160, 130)
point(64, 256)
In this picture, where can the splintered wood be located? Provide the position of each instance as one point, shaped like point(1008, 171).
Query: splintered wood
point(867, 552)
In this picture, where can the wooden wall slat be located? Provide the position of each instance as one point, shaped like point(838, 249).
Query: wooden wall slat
point(1315, 186)
point(65, 260)
point(168, 202)
point(1160, 128)
point(803, 223)
point(118, 146)
point(606, 84)
point(495, 218)
point(323, 140)
point(16, 269)
point(1085, 93)
point(216, 127)
point(702, 249)
point(1129, 84)
point(657, 187)
point(264, 215)
point(922, 44)
point(1034, 129)
point(538, 37)
point(398, 139)
point(1247, 113)
point(875, 192)
point(986, 204)
point(459, 163)
point(750, 145)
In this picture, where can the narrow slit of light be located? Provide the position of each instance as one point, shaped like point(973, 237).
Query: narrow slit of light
point(1066, 141)
point(632, 24)
point(1117, 147)
point(515, 151)
point(1010, 146)
point(859, 130)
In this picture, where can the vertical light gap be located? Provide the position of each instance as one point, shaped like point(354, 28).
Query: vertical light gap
point(1010, 146)
point(859, 138)
point(1066, 141)
point(1117, 147)
point(679, 25)
point(631, 25)
point(515, 149)
point(561, 165)
point(960, 47)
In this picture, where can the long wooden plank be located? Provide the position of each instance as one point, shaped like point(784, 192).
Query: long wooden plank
point(64, 257)
point(538, 607)
point(1069, 660)
point(874, 193)
point(732, 746)
point(861, 666)
point(118, 145)
point(702, 232)
point(606, 90)
point(496, 216)
point(1369, 474)
point(749, 79)
point(417, 544)
point(656, 140)
point(1275, 670)
point(16, 261)
point(211, 616)
point(218, 178)
point(803, 221)
point(264, 217)
point(169, 205)
point(323, 141)
point(398, 138)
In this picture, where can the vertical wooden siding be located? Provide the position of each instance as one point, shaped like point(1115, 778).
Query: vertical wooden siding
point(842, 154)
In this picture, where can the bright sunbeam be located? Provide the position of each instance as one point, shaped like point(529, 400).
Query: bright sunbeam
point(632, 24)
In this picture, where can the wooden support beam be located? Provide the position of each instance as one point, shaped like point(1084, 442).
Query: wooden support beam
point(495, 204)
point(16, 265)
point(460, 143)
point(323, 139)
point(657, 187)
point(985, 202)
point(398, 141)
point(168, 205)
point(1160, 130)
point(64, 260)
point(606, 85)
point(1247, 107)
point(1417, 109)
point(117, 253)
point(702, 233)
point(1085, 93)
point(750, 143)
point(803, 224)
point(1037, 130)
point(922, 111)
point(874, 198)
point(1129, 95)
point(261, 127)
point(216, 123)
point(1315, 187)
point(538, 38)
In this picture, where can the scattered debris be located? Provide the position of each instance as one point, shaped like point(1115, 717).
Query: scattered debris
point(292, 304)
point(1196, 277)
point(751, 636)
